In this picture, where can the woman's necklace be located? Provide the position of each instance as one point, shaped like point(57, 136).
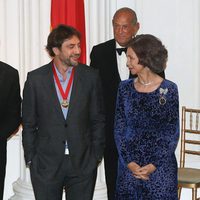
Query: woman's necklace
point(143, 83)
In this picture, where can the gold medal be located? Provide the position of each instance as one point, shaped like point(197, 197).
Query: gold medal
point(63, 93)
point(65, 103)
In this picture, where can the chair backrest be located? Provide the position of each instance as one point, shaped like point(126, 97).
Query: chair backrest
point(190, 133)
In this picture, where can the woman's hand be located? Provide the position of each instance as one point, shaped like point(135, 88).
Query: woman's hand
point(141, 172)
point(144, 172)
point(133, 167)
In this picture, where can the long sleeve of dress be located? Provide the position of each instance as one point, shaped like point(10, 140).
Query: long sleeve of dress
point(168, 135)
point(120, 127)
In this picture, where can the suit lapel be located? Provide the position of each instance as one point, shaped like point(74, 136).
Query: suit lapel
point(114, 64)
point(49, 86)
point(75, 91)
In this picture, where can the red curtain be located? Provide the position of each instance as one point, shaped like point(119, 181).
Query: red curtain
point(70, 12)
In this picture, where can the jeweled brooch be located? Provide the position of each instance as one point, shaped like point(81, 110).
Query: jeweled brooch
point(162, 98)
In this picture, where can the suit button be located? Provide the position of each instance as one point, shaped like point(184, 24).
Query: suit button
point(65, 125)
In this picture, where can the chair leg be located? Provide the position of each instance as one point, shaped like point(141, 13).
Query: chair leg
point(179, 193)
point(194, 193)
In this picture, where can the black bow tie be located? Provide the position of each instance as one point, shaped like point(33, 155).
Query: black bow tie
point(120, 50)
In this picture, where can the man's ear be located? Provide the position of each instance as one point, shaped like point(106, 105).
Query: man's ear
point(56, 50)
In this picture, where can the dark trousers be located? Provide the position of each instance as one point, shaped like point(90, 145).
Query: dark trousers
point(111, 167)
point(3, 144)
point(76, 187)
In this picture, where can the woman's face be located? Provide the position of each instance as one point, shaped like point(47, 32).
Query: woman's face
point(132, 62)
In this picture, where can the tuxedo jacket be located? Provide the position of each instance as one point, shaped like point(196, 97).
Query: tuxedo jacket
point(103, 56)
point(10, 100)
point(45, 129)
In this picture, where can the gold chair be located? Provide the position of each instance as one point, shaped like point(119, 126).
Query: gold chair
point(190, 146)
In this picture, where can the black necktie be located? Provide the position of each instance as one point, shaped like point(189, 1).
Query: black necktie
point(120, 50)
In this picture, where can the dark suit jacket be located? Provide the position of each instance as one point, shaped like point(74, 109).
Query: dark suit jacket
point(45, 129)
point(10, 100)
point(103, 57)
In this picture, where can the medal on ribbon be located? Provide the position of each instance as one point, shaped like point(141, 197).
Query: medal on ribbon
point(63, 93)
point(64, 103)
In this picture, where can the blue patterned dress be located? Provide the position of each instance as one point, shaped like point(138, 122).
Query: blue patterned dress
point(147, 131)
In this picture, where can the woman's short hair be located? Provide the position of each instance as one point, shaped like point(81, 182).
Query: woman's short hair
point(58, 35)
point(150, 52)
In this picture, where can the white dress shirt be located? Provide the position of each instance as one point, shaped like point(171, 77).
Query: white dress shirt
point(121, 64)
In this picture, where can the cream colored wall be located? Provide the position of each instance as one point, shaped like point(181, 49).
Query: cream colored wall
point(24, 27)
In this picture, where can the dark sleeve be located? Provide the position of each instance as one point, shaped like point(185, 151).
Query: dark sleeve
point(12, 116)
point(29, 120)
point(97, 117)
point(119, 129)
point(168, 136)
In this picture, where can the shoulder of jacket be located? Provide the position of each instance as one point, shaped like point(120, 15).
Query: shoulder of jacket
point(85, 68)
point(7, 68)
point(41, 70)
point(105, 44)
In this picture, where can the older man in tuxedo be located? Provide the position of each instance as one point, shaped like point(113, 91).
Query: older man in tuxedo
point(10, 109)
point(63, 121)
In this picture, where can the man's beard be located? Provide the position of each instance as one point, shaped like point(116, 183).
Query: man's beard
point(70, 62)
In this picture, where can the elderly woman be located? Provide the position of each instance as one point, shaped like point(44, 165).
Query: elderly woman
point(147, 125)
